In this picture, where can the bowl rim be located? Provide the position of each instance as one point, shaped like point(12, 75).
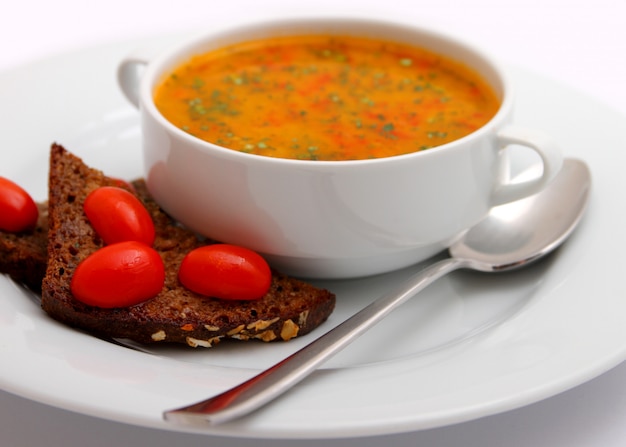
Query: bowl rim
point(158, 67)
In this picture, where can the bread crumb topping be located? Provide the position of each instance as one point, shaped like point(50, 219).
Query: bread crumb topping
point(195, 343)
point(236, 330)
point(289, 330)
point(266, 336)
point(260, 325)
point(159, 336)
point(303, 317)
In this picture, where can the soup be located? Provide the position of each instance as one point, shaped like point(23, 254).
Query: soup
point(325, 97)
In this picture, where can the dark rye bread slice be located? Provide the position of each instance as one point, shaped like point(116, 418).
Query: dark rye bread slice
point(290, 308)
point(24, 256)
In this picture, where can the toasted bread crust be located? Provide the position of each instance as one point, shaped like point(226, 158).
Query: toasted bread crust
point(24, 256)
point(290, 308)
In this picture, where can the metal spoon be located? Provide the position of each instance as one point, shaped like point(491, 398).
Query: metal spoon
point(511, 236)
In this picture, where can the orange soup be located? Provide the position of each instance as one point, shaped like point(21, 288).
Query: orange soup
point(322, 97)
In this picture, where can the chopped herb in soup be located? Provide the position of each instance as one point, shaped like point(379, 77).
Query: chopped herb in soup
point(321, 97)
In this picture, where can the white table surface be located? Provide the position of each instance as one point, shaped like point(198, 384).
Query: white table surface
point(578, 42)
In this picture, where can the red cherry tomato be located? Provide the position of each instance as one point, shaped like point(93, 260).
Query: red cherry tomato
point(123, 184)
point(117, 216)
point(119, 275)
point(225, 271)
point(18, 211)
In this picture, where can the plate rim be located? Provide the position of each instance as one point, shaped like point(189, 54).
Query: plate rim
point(256, 426)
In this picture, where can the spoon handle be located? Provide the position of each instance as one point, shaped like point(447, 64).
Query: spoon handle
point(269, 384)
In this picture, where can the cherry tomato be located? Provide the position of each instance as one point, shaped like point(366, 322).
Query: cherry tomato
point(18, 211)
point(225, 271)
point(119, 275)
point(117, 216)
point(123, 184)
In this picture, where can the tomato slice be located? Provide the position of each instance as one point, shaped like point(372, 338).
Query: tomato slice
point(226, 271)
point(117, 216)
point(18, 211)
point(119, 275)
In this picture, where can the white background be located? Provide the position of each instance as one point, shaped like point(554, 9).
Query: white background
point(580, 43)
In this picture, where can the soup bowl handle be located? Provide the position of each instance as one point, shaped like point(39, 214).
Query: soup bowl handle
point(129, 73)
point(544, 146)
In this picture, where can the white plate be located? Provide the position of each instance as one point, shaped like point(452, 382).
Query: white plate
point(471, 345)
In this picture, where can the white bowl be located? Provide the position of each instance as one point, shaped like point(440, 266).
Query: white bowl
point(333, 219)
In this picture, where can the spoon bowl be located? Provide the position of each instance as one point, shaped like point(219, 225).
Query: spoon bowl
point(509, 237)
point(518, 233)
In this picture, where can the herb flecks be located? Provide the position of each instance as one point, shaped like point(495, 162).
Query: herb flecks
point(196, 107)
point(317, 97)
point(197, 84)
point(437, 134)
point(387, 131)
